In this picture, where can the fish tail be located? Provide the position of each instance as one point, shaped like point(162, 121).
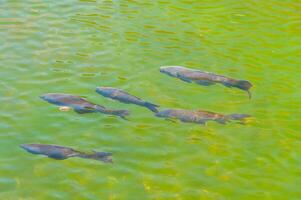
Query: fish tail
point(244, 85)
point(249, 93)
point(239, 117)
point(120, 113)
point(102, 156)
point(152, 107)
point(223, 120)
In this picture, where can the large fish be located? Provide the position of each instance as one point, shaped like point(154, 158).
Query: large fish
point(61, 153)
point(205, 78)
point(80, 105)
point(199, 116)
point(124, 97)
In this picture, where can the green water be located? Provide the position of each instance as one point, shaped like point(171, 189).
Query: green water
point(75, 46)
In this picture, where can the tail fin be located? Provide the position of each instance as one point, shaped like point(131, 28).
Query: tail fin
point(152, 107)
point(244, 85)
point(249, 93)
point(240, 117)
point(102, 156)
point(120, 113)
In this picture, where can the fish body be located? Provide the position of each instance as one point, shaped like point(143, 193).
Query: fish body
point(61, 153)
point(205, 78)
point(79, 104)
point(124, 97)
point(199, 116)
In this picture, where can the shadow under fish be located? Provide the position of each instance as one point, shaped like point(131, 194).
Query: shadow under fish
point(200, 116)
point(124, 97)
point(205, 78)
point(61, 153)
point(80, 105)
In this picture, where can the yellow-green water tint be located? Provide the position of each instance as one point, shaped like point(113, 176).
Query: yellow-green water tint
point(75, 46)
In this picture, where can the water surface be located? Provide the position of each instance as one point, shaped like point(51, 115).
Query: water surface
point(75, 46)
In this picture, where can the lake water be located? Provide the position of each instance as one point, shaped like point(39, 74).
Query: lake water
point(75, 46)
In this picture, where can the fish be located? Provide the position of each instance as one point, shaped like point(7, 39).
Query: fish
point(62, 153)
point(199, 116)
point(205, 78)
point(80, 105)
point(124, 97)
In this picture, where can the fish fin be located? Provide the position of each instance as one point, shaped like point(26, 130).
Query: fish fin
point(80, 111)
point(222, 121)
point(227, 84)
point(102, 156)
point(89, 108)
point(202, 122)
point(152, 107)
point(183, 78)
point(57, 158)
point(171, 120)
point(57, 155)
point(205, 83)
point(241, 122)
point(84, 110)
point(249, 93)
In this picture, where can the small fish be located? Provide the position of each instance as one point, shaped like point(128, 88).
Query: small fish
point(199, 116)
point(80, 105)
point(124, 97)
point(205, 78)
point(61, 153)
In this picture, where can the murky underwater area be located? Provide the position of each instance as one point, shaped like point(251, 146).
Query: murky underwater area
point(74, 46)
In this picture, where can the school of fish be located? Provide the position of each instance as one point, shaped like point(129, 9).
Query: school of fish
point(81, 105)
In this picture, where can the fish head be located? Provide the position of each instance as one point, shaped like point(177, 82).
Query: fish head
point(51, 96)
point(59, 98)
point(44, 97)
point(32, 148)
point(105, 91)
point(171, 70)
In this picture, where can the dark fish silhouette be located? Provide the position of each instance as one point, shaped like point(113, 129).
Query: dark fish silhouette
point(199, 116)
point(124, 97)
point(80, 105)
point(61, 153)
point(205, 78)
